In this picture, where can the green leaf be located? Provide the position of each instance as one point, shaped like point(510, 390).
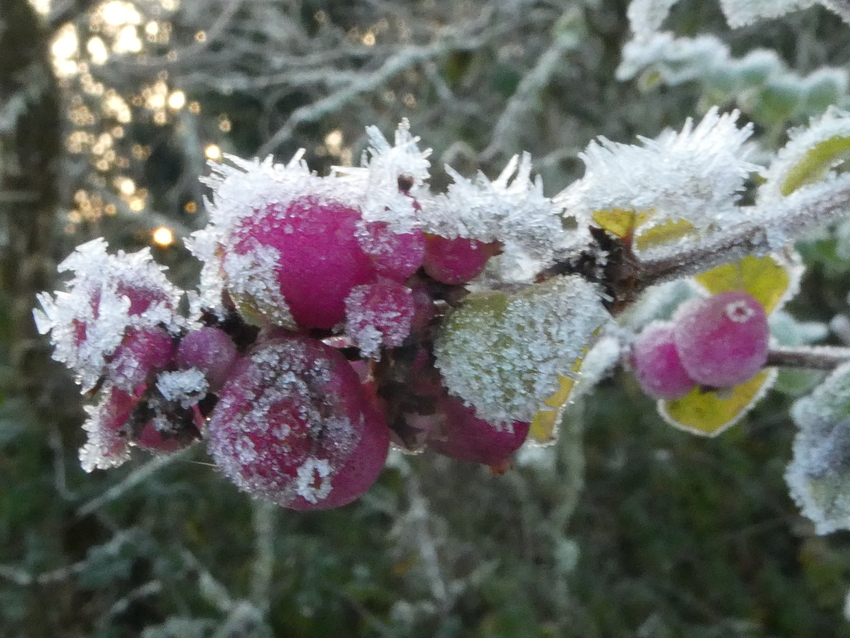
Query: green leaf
point(816, 163)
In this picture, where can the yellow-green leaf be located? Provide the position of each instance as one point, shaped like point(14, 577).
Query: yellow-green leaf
point(544, 425)
point(710, 413)
point(765, 278)
point(619, 222)
point(815, 163)
point(671, 230)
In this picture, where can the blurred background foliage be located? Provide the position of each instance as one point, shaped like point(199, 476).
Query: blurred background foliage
point(108, 113)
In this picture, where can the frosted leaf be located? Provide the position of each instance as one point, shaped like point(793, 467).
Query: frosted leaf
point(809, 156)
point(186, 387)
point(695, 175)
point(646, 16)
point(743, 12)
point(503, 355)
point(598, 362)
point(788, 331)
point(511, 209)
point(385, 166)
point(819, 474)
point(107, 296)
point(676, 60)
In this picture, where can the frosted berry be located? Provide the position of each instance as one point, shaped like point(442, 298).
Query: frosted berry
point(141, 353)
point(107, 444)
point(296, 262)
point(293, 424)
point(455, 261)
point(379, 314)
point(462, 435)
point(395, 255)
point(722, 340)
point(211, 351)
point(657, 365)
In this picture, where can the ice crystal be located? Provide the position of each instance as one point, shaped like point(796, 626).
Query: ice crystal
point(695, 175)
point(504, 355)
point(819, 474)
point(106, 445)
point(511, 210)
point(646, 16)
point(186, 387)
point(107, 296)
point(391, 178)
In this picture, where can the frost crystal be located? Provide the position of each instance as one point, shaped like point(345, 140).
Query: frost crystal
point(646, 16)
point(384, 168)
point(804, 142)
point(107, 296)
point(186, 387)
point(743, 12)
point(819, 474)
point(511, 210)
point(504, 355)
point(695, 175)
point(107, 446)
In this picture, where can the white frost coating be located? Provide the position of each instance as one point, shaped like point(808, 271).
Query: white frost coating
point(819, 474)
point(740, 13)
point(599, 361)
point(314, 480)
point(184, 386)
point(105, 447)
point(89, 320)
point(252, 278)
point(695, 175)
point(503, 355)
point(677, 60)
point(511, 209)
point(834, 124)
point(378, 178)
point(646, 16)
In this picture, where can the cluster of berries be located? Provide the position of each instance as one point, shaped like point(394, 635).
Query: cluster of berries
point(713, 342)
point(308, 348)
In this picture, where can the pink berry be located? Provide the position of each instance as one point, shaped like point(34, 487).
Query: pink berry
point(141, 353)
point(657, 365)
point(211, 351)
point(395, 255)
point(107, 444)
point(465, 437)
point(455, 261)
point(305, 254)
point(379, 314)
point(293, 424)
point(722, 340)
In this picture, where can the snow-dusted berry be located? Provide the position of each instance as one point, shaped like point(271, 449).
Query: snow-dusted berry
point(303, 255)
point(722, 340)
point(142, 352)
point(657, 364)
point(379, 314)
point(294, 425)
point(455, 261)
point(462, 435)
point(211, 351)
point(108, 296)
point(395, 255)
point(108, 444)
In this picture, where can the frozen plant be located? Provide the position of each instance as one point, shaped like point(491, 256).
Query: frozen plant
point(338, 315)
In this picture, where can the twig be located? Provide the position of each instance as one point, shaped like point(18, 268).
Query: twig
point(811, 357)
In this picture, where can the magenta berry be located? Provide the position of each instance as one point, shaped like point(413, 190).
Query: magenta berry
point(657, 365)
point(722, 340)
point(211, 351)
point(140, 355)
point(464, 436)
point(378, 315)
point(293, 424)
point(303, 257)
point(395, 255)
point(455, 261)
